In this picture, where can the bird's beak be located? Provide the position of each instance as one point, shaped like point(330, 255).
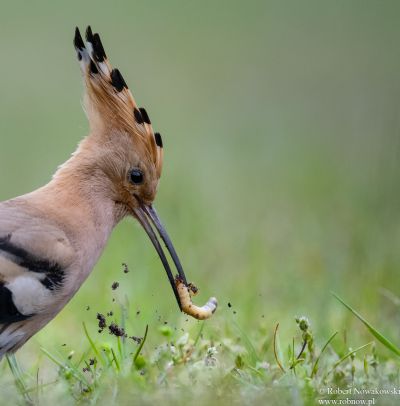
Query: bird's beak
point(148, 218)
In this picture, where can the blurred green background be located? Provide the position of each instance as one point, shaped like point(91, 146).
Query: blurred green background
point(281, 128)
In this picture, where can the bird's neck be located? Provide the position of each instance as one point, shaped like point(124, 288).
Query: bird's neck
point(78, 199)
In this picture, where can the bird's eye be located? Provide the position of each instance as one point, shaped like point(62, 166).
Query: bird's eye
point(136, 176)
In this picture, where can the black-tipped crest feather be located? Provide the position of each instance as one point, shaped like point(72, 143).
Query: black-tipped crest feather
point(138, 116)
point(109, 94)
point(158, 139)
point(98, 49)
point(145, 116)
point(117, 80)
point(89, 34)
point(78, 41)
point(93, 67)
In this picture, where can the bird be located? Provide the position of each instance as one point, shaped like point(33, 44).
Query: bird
point(51, 238)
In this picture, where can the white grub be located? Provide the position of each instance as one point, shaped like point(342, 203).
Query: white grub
point(185, 294)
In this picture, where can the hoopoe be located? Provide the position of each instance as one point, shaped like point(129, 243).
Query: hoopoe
point(51, 238)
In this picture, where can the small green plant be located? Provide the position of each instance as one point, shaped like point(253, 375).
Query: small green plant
point(236, 365)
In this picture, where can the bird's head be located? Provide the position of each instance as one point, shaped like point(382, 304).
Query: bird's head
point(123, 145)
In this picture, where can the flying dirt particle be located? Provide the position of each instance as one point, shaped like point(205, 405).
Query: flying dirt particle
point(87, 308)
point(63, 345)
point(110, 313)
point(229, 304)
point(102, 322)
point(234, 312)
point(92, 361)
point(116, 330)
point(125, 267)
point(137, 313)
point(115, 285)
point(137, 340)
point(194, 289)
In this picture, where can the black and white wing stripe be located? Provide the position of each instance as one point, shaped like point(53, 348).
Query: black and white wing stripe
point(27, 282)
point(29, 286)
point(50, 273)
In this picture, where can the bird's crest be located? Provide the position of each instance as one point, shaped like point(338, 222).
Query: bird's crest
point(109, 103)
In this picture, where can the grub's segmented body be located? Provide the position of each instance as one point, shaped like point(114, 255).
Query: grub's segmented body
point(185, 293)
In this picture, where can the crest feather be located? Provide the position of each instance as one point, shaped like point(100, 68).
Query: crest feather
point(109, 103)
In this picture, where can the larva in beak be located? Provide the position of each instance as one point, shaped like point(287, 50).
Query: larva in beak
point(147, 216)
point(185, 293)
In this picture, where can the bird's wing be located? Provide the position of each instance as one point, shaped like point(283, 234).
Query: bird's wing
point(34, 255)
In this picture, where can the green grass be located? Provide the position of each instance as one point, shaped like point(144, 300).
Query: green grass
point(187, 365)
point(379, 336)
point(280, 185)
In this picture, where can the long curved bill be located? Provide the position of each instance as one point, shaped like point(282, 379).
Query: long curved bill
point(148, 218)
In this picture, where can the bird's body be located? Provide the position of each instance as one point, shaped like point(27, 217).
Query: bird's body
point(51, 239)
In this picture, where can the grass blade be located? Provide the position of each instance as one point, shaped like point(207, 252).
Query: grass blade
point(66, 366)
point(254, 358)
point(314, 370)
point(93, 345)
point(390, 296)
point(347, 356)
point(19, 379)
point(380, 337)
point(140, 345)
point(118, 367)
point(275, 350)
